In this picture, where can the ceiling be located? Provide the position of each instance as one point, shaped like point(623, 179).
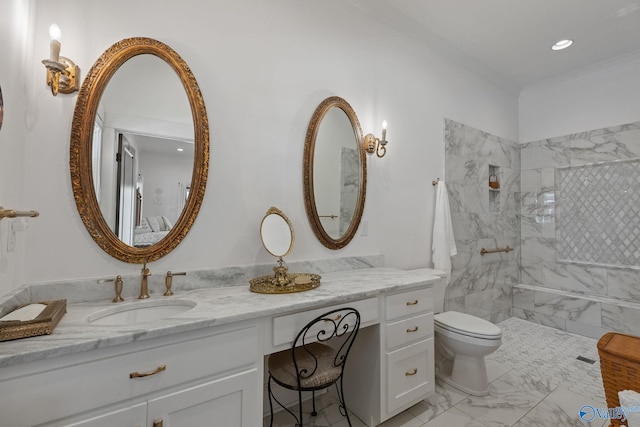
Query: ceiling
point(512, 38)
point(149, 143)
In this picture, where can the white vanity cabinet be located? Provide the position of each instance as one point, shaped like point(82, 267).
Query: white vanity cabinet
point(186, 380)
point(208, 367)
point(409, 352)
point(392, 365)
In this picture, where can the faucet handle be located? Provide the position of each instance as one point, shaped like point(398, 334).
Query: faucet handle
point(118, 287)
point(168, 281)
point(145, 270)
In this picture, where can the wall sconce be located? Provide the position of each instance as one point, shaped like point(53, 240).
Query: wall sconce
point(62, 74)
point(373, 144)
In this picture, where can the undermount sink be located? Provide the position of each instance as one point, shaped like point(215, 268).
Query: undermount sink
point(139, 312)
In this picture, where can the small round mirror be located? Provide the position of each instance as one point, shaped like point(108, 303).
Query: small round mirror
point(276, 232)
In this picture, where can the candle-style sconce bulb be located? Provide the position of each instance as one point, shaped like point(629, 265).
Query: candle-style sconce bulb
point(54, 47)
point(63, 75)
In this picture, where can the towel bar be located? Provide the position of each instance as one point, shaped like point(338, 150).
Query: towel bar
point(484, 251)
point(12, 213)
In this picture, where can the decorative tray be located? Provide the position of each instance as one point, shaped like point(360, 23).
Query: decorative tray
point(297, 282)
point(43, 324)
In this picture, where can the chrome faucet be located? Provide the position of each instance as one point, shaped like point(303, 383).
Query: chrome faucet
point(144, 286)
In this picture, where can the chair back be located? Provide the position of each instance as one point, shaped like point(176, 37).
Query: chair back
point(324, 344)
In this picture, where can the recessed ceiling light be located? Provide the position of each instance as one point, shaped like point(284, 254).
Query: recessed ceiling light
point(180, 149)
point(562, 44)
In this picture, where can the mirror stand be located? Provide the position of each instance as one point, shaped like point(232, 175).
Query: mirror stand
point(281, 277)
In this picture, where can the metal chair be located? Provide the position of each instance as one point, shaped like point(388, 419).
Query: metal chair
point(316, 359)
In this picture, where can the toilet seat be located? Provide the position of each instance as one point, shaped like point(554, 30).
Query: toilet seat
point(465, 324)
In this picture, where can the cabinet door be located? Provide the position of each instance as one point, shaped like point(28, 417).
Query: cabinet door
point(133, 416)
point(410, 375)
point(231, 401)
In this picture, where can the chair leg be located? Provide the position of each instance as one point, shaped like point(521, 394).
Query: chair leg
point(300, 406)
point(270, 403)
point(272, 396)
point(343, 406)
point(313, 398)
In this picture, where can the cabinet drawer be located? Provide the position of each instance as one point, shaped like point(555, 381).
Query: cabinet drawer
point(410, 375)
point(104, 378)
point(285, 328)
point(408, 303)
point(409, 330)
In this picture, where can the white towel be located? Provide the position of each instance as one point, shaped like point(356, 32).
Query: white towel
point(630, 404)
point(444, 243)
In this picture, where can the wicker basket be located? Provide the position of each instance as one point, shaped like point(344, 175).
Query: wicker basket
point(620, 366)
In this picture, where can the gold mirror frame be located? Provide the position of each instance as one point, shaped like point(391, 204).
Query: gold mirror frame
point(308, 167)
point(81, 142)
point(273, 211)
point(1, 107)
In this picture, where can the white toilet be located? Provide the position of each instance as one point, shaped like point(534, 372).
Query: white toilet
point(461, 343)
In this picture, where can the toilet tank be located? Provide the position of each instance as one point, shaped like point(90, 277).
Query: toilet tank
point(439, 287)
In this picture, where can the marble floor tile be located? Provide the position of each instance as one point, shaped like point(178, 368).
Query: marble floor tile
point(504, 405)
point(454, 417)
point(404, 419)
point(443, 399)
point(327, 406)
point(532, 381)
point(561, 408)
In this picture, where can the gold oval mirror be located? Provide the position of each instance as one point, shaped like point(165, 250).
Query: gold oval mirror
point(334, 173)
point(139, 150)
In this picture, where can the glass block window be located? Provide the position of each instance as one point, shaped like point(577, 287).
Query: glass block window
point(598, 213)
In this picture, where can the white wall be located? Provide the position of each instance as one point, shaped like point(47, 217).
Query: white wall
point(603, 95)
point(162, 173)
point(15, 16)
point(263, 67)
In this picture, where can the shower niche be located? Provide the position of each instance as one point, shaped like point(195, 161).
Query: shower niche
point(494, 189)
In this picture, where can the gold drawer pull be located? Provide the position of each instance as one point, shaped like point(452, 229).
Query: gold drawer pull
point(412, 302)
point(158, 423)
point(412, 330)
point(411, 373)
point(335, 319)
point(148, 374)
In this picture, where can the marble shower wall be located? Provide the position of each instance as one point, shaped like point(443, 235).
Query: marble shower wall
point(481, 285)
point(349, 187)
point(588, 298)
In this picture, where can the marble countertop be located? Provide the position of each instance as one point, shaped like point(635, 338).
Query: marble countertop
point(213, 306)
